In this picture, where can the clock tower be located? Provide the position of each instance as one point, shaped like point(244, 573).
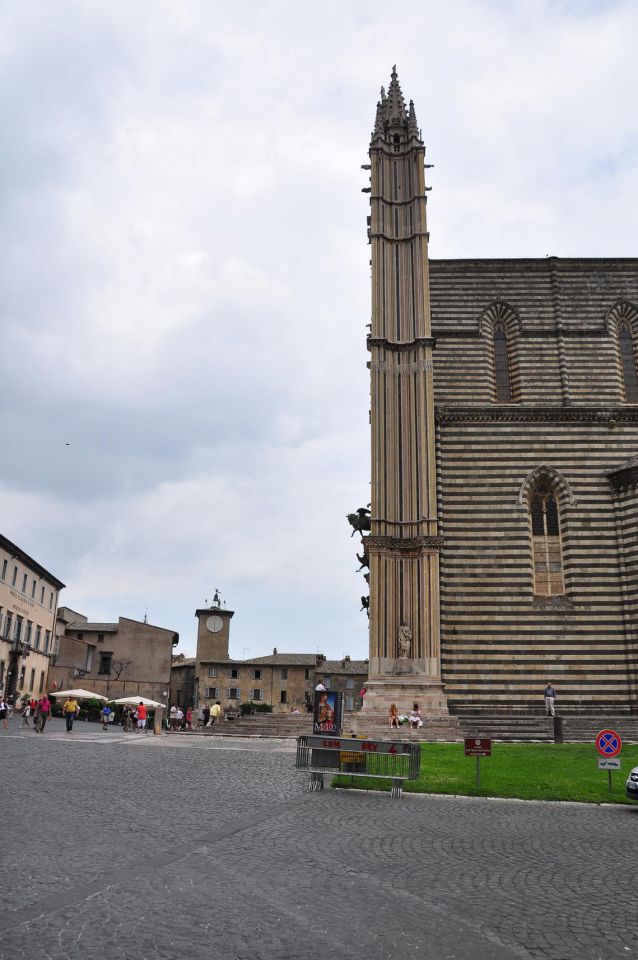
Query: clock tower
point(213, 629)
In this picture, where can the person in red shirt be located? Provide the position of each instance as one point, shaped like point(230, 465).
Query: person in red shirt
point(141, 717)
point(43, 710)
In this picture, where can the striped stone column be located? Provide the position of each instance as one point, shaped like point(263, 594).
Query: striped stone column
point(403, 544)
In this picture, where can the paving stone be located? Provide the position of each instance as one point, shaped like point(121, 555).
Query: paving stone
point(157, 848)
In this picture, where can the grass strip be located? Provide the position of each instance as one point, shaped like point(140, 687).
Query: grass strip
point(523, 771)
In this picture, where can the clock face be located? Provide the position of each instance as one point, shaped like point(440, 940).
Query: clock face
point(214, 624)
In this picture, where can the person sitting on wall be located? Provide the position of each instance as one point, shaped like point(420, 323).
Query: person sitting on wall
point(415, 717)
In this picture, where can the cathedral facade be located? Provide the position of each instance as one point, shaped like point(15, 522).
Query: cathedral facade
point(503, 537)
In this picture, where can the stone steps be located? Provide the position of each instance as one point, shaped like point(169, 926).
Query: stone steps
point(501, 727)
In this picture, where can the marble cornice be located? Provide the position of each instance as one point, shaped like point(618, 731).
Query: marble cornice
point(397, 346)
point(516, 413)
point(403, 545)
point(379, 235)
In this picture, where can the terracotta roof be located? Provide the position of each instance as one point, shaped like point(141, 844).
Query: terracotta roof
point(286, 660)
point(339, 666)
point(82, 626)
point(186, 662)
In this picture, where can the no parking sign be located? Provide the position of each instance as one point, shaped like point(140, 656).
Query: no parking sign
point(608, 743)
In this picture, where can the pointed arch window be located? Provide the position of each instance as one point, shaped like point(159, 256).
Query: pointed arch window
point(546, 542)
point(628, 362)
point(502, 379)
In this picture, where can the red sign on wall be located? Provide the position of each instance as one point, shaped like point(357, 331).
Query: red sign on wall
point(478, 747)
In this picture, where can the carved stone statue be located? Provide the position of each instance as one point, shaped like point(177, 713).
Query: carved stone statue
point(405, 641)
point(363, 560)
point(359, 521)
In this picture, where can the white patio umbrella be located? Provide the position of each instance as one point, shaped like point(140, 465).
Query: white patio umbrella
point(137, 700)
point(78, 694)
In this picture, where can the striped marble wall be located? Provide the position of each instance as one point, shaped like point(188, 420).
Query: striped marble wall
point(500, 643)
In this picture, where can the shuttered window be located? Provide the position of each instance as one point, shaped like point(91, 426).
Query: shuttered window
point(546, 544)
point(501, 365)
point(628, 363)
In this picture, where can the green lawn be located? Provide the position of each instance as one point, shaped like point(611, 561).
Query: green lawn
point(527, 771)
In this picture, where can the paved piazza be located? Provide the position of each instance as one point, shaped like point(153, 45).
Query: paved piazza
point(124, 846)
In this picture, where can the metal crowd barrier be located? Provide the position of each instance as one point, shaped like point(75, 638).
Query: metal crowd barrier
point(393, 760)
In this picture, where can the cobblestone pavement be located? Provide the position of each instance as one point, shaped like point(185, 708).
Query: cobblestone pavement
point(119, 846)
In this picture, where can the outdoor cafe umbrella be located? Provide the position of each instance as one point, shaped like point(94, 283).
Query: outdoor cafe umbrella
point(78, 694)
point(135, 701)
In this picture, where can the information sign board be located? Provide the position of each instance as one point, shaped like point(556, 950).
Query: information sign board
point(478, 747)
point(358, 746)
point(609, 763)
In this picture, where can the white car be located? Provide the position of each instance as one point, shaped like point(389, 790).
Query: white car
point(632, 784)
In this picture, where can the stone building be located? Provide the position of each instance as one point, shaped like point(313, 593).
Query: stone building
point(114, 659)
point(28, 607)
point(347, 676)
point(284, 680)
point(503, 531)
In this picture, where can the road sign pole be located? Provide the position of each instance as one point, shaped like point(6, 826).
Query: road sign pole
point(478, 771)
point(609, 775)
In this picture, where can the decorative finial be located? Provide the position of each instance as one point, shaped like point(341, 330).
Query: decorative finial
point(413, 129)
point(395, 110)
point(378, 122)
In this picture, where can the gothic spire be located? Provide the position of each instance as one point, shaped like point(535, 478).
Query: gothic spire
point(395, 104)
point(392, 113)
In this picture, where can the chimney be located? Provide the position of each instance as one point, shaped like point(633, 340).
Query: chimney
point(320, 658)
point(347, 658)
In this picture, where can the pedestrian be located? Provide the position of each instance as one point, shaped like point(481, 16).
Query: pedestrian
point(189, 718)
point(4, 713)
point(179, 719)
point(320, 687)
point(393, 716)
point(70, 710)
point(550, 699)
point(141, 717)
point(44, 709)
point(26, 713)
point(206, 712)
point(105, 713)
point(216, 712)
point(173, 717)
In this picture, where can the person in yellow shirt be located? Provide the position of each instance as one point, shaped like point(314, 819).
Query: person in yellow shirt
point(70, 710)
point(215, 712)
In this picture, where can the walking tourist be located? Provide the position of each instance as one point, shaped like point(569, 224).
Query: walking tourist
point(70, 710)
point(216, 712)
point(26, 713)
point(43, 711)
point(189, 718)
point(173, 717)
point(550, 698)
point(4, 713)
point(105, 714)
point(141, 717)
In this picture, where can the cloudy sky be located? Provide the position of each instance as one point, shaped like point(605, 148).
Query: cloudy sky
point(184, 281)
